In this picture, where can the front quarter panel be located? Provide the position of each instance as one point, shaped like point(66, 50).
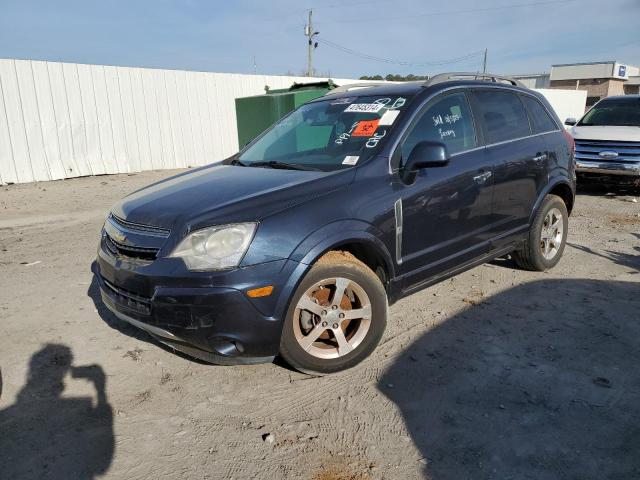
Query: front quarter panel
point(305, 232)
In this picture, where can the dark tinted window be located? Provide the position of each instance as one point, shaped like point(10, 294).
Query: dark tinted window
point(447, 120)
point(503, 116)
point(540, 120)
point(621, 112)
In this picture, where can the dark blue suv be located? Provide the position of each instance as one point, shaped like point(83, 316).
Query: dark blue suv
point(296, 245)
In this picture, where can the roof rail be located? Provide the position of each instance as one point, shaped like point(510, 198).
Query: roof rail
point(488, 77)
point(351, 86)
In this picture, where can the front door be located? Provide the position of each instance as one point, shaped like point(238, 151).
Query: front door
point(446, 211)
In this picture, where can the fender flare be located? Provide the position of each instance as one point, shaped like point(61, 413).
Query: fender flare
point(323, 240)
point(552, 184)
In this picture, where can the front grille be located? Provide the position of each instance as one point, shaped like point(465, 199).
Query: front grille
point(163, 232)
point(117, 249)
point(628, 152)
point(130, 300)
point(128, 239)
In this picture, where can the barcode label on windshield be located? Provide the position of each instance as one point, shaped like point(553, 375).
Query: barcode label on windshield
point(364, 107)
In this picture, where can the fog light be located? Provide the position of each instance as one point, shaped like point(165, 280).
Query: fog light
point(260, 292)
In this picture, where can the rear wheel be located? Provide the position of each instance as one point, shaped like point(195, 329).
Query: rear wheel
point(547, 237)
point(336, 317)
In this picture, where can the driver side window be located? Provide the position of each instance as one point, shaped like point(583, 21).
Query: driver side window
point(446, 120)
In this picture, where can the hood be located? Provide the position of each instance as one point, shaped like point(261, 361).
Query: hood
point(225, 194)
point(619, 134)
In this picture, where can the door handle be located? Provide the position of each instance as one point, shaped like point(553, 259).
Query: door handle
point(483, 177)
point(540, 158)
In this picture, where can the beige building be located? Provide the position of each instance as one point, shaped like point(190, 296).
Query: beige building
point(598, 79)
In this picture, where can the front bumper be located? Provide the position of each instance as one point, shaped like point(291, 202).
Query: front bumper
point(630, 169)
point(172, 340)
point(207, 315)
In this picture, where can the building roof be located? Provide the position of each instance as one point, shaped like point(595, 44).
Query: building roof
point(593, 70)
point(606, 62)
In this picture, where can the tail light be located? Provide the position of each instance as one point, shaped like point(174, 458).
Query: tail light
point(570, 142)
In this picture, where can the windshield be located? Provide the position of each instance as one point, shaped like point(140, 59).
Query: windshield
point(622, 112)
point(327, 135)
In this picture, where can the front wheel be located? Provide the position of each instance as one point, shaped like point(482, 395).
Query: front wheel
point(547, 237)
point(336, 317)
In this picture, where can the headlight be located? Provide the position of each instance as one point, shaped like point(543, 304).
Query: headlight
point(215, 248)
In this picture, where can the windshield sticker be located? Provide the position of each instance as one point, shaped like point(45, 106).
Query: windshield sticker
point(388, 117)
point(365, 128)
point(373, 141)
point(350, 160)
point(398, 103)
point(364, 107)
point(382, 101)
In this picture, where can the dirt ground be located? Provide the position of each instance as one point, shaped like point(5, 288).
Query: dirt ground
point(495, 374)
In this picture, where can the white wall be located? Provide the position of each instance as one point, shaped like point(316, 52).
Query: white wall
point(566, 103)
point(62, 120)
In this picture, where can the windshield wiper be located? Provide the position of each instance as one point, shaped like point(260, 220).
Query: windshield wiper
point(235, 161)
point(277, 164)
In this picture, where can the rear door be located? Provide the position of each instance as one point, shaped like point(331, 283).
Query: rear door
point(548, 128)
point(519, 157)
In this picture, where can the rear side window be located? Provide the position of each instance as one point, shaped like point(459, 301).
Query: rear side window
point(540, 119)
point(503, 116)
point(448, 120)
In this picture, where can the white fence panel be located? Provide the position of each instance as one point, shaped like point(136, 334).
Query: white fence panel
point(8, 172)
point(91, 120)
point(141, 121)
point(31, 115)
point(15, 125)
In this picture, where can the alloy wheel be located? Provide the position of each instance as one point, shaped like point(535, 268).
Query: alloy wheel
point(332, 318)
point(551, 234)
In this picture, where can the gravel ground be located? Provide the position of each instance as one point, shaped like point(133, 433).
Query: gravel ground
point(497, 373)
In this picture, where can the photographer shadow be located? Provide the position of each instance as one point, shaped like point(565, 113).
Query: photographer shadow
point(46, 435)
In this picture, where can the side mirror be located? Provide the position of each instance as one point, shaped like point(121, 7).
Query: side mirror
point(425, 155)
point(570, 121)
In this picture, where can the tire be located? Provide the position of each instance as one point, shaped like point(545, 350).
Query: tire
point(319, 314)
point(532, 256)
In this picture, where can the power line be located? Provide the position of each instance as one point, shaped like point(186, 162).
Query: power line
point(453, 12)
point(399, 62)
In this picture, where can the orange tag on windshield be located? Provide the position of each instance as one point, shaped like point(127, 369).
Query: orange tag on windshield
point(365, 128)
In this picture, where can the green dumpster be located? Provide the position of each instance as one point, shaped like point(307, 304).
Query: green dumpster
point(257, 113)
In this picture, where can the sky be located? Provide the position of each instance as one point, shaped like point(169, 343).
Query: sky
point(404, 36)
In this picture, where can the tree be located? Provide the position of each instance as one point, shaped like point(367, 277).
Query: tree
point(394, 77)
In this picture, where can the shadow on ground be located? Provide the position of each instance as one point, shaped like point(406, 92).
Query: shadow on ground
point(627, 260)
point(46, 435)
point(539, 382)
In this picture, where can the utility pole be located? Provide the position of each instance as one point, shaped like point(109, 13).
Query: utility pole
point(309, 33)
point(484, 64)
